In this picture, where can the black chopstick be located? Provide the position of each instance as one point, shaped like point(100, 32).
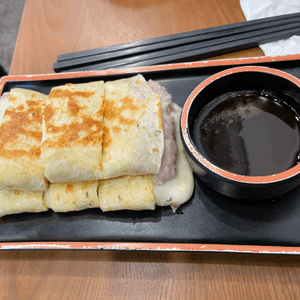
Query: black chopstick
point(196, 54)
point(241, 28)
point(213, 51)
point(218, 30)
point(203, 50)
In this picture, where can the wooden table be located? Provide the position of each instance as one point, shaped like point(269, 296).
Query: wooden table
point(52, 27)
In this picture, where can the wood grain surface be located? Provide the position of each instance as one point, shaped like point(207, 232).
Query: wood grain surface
point(147, 275)
point(52, 27)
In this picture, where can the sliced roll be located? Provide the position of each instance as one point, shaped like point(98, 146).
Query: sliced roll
point(133, 131)
point(73, 128)
point(16, 202)
point(126, 193)
point(72, 196)
point(20, 141)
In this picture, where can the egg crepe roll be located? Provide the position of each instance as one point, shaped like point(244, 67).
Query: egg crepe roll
point(126, 193)
point(16, 202)
point(73, 127)
point(72, 196)
point(20, 140)
point(138, 192)
point(133, 131)
point(142, 192)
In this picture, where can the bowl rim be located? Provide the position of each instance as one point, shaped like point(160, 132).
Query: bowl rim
point(205, 162)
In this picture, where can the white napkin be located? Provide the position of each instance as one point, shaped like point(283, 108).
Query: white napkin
point(256, 9)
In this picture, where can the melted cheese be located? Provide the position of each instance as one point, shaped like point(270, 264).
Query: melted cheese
point(179, 190)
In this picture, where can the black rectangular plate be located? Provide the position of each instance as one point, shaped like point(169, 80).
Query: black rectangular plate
point(207, 217)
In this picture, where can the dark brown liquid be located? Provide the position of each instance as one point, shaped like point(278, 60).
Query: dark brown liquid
point(249, 133)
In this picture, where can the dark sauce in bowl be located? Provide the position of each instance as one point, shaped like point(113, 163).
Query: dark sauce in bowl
point(249, 133)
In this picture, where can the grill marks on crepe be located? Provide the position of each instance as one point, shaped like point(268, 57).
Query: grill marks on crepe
point(73, 128)
point(20, 140)
point(82, 129)
point(21, 129)
point(121, 114)
point(133, 132)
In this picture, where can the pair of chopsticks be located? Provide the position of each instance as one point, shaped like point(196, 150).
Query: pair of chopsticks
point(192, 45)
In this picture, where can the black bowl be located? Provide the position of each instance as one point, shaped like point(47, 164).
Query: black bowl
point(271, 174)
